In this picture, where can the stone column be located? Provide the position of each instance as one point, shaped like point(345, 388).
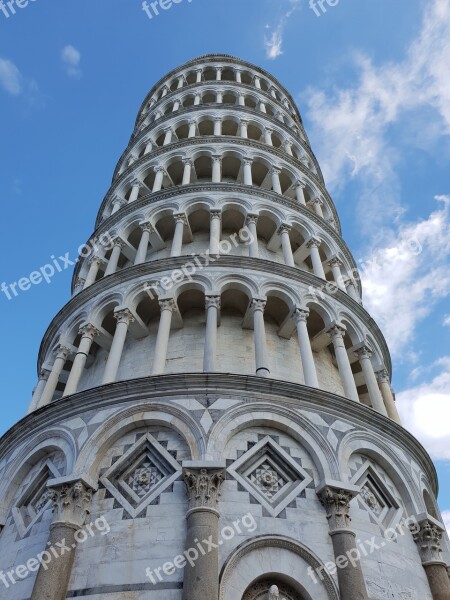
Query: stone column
point(364, 353)
point(268, 136)
point(148, 147)
point(215, 232)
point(238, 75)
point(337, 333)
point(210, 351)
point(257, 83)
point(192, 129)
point(300, 192)
point(113, 261)
point(218, 73)
point(428, 540)
point(387, 395)
point(136, 188)
point(94, 266)
point(275, 172)
point(124, 318)
point(314, 245)
point(219, 97)
point(252, 221)
point(118, 203)
point(71, 505)
point(180, 81)
point(273, 92)
point(177, 243)
point(241, 99)
point(141, 253)
point(288, 256)
point(62, 355)
point(217, 169)
point(244, 129)
point(199, 75)
point(176, 105)
point(79, 285)
point(162, 340)
point(157, 184)
point(203, 484)
point(248, 177)
point(197, 99)
point(336, 501)
point(187, 171)
point(316, 206)
point(218, 126)
point(164, 92)
point(335, 265)
point(258, 305)
point(350, 287)
point(262, 107)
point(88, 333)
point(288, 147)
point(306, 354)
point(168, 137)
point(38, 391)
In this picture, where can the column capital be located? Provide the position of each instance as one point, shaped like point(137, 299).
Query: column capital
point(120, 202)
point(203, 486)
point(383, 376)
point(180, 218)
point(336, 501)
point(192, 122)
point(247, 160)
point(212, 302)
point(252, 218)
point(118, 241)
point(158, 169)
point(167, 304)
point(275, 170)
point(258, 304)
point(314, 243)
point(137, 183)
point(215, 213)
point(88, 331)
point(300, 183)
point(79, 283)
point(363, 351)
point(428, 539)
point(97, 260)
point(147, 226)
point(71, 503)
point(284, 228)
point(243, 121)
point(216, 157)
point(337, 330)
point(124, 315)
point(217, 118)
point(300, 315)
point(44, 374)
point(335, 262)
point(187, 161)
point(168, 128)
point(62, 351)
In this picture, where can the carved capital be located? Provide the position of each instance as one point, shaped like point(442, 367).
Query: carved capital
point(337, 331)
point(383, 376)
point(336, 502)
point(99, 262)
point(62, 352)
point(147, 226)
point(89, 331)
point(203, 487)
point(364, 353)
point(167, 304)
point(180, 218)
point(335, 262)
point(258, 304)
point(251, 218)
point(124, 316)
point(119, 243)
point(428, 540)
point(79, 283)
point(71, 503)
point(212, 302)
point(301, 315)
point(284, 228)
point(215, 214)
point(313, 243)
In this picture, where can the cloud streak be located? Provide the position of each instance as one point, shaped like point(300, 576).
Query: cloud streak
point(10, 77)
point(71, 58)
point(274, 42)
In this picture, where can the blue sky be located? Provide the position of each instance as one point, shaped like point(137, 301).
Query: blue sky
point(372, 83)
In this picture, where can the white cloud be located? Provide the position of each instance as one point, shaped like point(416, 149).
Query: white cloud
point(404, 279)
point(71, 58)
point(352, 125)
point(446, 321)
point(446, 519)
point(274, 42)
point(425, 412)
point(10, 77)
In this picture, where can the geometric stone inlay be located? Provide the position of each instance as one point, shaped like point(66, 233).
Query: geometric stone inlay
point(141, 475)
point(376, 497)
point(35, 499)
point(270, 475)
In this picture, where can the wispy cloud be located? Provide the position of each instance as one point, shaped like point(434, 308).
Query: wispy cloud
point(425, 412)
point(352, 125)
point(405, 278)
point(446, 321)
point(274, 41)
point(10, 77)
point(446, 519)
point(71, 58)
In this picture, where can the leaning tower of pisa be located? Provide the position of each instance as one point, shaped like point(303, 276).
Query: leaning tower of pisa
point(213, 417)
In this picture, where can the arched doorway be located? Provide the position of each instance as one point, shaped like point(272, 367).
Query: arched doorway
point(269, 589)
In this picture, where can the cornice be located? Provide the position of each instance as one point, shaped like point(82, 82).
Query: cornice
point(249, 387)
point(212, 140)
point(135, 138)
point(232, 263)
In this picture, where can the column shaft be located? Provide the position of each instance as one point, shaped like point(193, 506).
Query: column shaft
point(141, 253)
point(88, 333)
point(315, 259)
point(252, 221)
point(162, 339)
point(259, 332)
point(286, 245)
point(345, 370)
point(210, 351)
point(388, 396)
point(53, 378)
point(248, 177)
point(376, 400)
point(124, 318)
point(114, 258)
point(217, 169)
point(177, 244)
point(306, 354)
point(215, 232)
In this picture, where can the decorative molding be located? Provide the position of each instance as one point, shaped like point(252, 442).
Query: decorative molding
point(203, 486)
point(71, 503)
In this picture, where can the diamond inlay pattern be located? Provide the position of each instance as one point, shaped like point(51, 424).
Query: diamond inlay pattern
point(267, 479)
